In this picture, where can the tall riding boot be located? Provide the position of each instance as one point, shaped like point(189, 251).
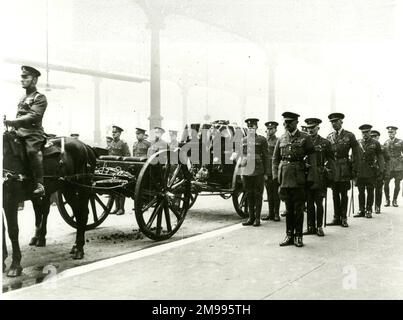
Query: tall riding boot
point(258, 212)
point(121, 200)
point(35, 160)
point(251, 204)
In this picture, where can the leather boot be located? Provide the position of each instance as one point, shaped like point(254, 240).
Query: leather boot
point(320, 232)
point(121, 210)
point(257, 213)
point(35, 160)
point(276, 217)
point(394, 203)
point(368, 214)
point(288, 240)
point(344, 223)
point(360, 213)
point(377, 209)
point(387, 204)
point(284, 213)
point(310, 230)
point(298, 242)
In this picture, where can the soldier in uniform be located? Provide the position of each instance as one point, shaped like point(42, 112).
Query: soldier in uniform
point(290, 170)
point(342, 142)
point(158, 143)
point(380, 178)
point(325, 167)
point(371, 165)
point(120, 148)
point(395, 150)
point(28, 125)
point(140, 147)
point(272, 184)
point(173, 144)
point(255, 166)
point(109, 140)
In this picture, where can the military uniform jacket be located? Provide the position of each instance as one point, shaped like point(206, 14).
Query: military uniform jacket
point(119, 148)
point(31, 109)
point(140, 148)
point(341, 146)
point(324, 161)
point(372, 163)
point(255, 156)
point(395, 150)
point(386, 158)
point(156, 146)
point(289, 166)
point(271, 142)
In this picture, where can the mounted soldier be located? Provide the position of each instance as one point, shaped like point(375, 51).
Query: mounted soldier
point(28, 125)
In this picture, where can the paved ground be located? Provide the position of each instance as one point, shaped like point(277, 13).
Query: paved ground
point(364, 261)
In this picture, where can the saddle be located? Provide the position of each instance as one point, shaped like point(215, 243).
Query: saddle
point(49, 149)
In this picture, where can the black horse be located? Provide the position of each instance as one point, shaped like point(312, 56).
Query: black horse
point(66, 166)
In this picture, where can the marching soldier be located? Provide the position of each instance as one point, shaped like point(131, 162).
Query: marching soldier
point(380, 178)
point(141, 146)
point(290, 170)
point(28, 125)
point(173, 144)
point(272, 184)
point(395, 150)
point(325, 167)
point(118, 147)
point(158, 143)
point(342, 142)
point(370, 167)
point(255, 165)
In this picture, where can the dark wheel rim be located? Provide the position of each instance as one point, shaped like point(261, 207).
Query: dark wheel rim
point(240, 202)
point(99, 207)
point(162, 196)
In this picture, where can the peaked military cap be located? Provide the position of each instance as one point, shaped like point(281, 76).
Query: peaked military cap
point(365, 127)
point(391, 128)
point(312, 122)
point(159, 129)
point(271, 124)
point(140, 130)
point(117, 128)
point(335, 116)
point(375, 133)
point(220, 122)
point(290, 115)
point(251, 121)
point(74, 135)
point(30, 71)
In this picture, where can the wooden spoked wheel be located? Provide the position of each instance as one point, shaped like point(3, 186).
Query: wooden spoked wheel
point(99, 208)
point(162, 195)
